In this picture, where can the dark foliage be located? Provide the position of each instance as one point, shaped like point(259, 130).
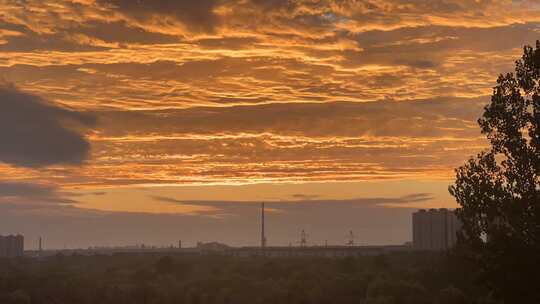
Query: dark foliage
point(413, 278)
point(499, 190)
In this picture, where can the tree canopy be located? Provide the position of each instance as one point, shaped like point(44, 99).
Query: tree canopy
point(406, 278)
point(499, 190)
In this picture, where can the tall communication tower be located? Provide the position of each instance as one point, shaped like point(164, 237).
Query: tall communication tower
point(263, 235)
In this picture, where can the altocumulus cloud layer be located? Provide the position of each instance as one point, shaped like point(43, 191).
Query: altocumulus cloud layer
point(239, 91)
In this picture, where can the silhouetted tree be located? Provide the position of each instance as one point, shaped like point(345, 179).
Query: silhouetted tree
point(165, 265)
point(410, 278)
point(396, 291)
point(19, 297)
point(499, 189)
point(451, 295)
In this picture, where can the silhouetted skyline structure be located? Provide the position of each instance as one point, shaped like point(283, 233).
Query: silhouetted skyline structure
point(11, 246)
point(432, 230)
point(435, 229)
point(263, 233)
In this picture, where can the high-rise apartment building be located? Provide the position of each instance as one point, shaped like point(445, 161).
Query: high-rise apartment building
point(435, 229)
point(11, 246)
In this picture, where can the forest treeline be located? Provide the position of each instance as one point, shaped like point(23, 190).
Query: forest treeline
point(404, 278)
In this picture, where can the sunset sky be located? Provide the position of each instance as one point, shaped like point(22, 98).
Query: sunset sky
point(150, 121)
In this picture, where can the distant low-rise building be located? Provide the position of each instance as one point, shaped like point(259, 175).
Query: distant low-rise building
point(316, 251)
point(11, 246)
point(211, 247)
point(435, 229)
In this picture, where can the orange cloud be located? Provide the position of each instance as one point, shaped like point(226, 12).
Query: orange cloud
point(243, 91)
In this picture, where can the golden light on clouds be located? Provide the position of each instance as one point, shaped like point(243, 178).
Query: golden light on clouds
point(238, 92)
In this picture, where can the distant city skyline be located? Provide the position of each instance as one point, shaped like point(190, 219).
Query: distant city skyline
point(375, 219)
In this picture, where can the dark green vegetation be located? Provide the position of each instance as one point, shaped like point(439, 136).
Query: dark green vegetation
point(499, 189)
point(408, 278)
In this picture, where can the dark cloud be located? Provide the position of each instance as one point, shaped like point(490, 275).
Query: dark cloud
point(56, 42)
point(421, 118)
point(305, 196)
point(366, 201)
point(28, 40)
point(424, 46)
point(121, 32)
point(31, 194)
point(24, 189)
point(232, 43)
point(187, 71)
point(197, 15)
point(274, 4)
point(422, 64)
point(35, 133)
point(87, 36)
point(78, 194)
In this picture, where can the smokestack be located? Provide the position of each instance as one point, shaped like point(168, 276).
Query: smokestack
point(40, 253)
point(263, 236)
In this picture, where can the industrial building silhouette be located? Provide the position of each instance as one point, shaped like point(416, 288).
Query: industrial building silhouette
point(435, 229)
point(11, 246)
